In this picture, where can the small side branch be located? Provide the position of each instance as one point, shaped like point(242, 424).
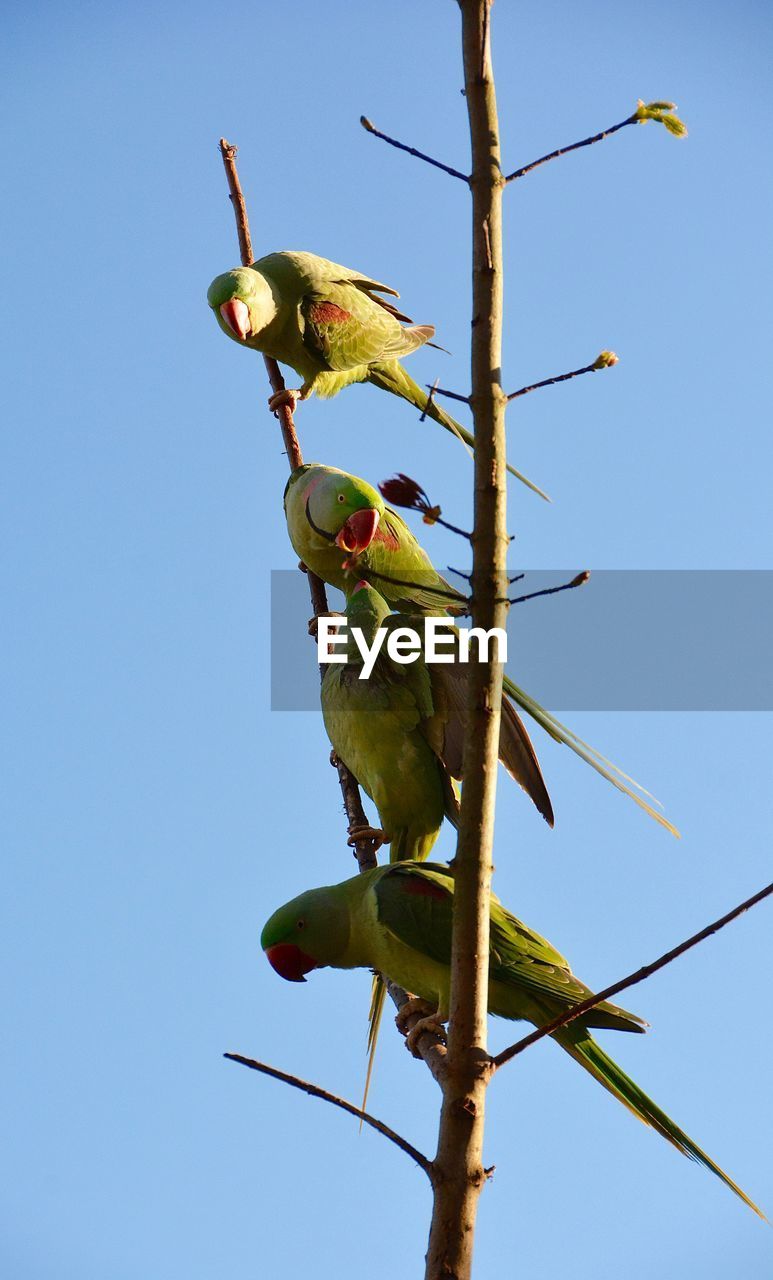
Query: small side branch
point(633, 978)
point(369, 126)
point(605, 360)
point(575, 146)
point(452, 395)
point(314, 1091)
point(660, 112)
point(578, 581)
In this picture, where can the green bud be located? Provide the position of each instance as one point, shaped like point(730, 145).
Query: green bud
point(660, 113)
point(605, 360)
point(674, 125)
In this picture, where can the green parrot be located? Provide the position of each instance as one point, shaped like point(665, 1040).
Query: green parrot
point(342, 530)
point(330, 325)
point(397, 919)
point(401, 731)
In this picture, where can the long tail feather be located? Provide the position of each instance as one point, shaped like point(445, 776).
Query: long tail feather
point(584, 1049)
point(589, 754)
point(519, 758)
point(377, 998)
point(391, 376)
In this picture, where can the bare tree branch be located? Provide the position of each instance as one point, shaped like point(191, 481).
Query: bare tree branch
point(317, 590)
point(604, 361)
point(420, 155)
point(314, 1091)
point(365, 849)
point(575, 146)
point(579, 1010)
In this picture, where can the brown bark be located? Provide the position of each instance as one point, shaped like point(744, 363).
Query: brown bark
point(458, 1165)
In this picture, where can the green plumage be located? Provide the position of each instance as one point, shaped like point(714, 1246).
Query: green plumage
point(319, 501)
point(390, 730)
point(397, 919)
point(333, 326)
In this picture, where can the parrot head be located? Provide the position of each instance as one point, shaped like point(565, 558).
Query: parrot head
point(308, 933)
point(243, 303)
point(337, 506)
point(366, 609)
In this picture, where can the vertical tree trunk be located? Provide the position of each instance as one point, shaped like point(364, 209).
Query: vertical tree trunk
point(458, 1166)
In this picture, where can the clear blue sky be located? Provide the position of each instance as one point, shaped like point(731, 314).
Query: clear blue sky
point(155, 811)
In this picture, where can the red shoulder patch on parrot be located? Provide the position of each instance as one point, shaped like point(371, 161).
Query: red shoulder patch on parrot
point(310, 489)
point(423, 888)
point(328, 313)
point(386, 535)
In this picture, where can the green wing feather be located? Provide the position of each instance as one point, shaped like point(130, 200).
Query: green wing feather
point(345, 327)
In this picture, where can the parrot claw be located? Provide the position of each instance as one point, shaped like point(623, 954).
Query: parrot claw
point(359, 834)
point(433, 1023)
point(429, 1020)
point(288, 398)
point(313, 622)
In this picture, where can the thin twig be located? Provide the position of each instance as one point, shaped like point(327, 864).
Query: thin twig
point(420, 155)
point(562, 151)
point(564, 377)
point(430, 398)
point(646, 971)
point(314, 1091)
point(452, 395)
point(579, 581)
point(453, 528)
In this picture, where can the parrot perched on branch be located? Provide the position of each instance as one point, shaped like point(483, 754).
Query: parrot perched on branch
point(343, 531)
point(331, 326)
point(397, 919)
point(401, 729)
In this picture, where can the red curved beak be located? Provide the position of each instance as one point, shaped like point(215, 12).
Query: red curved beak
point(358, 532)
point(289, 961)
point(237, 317)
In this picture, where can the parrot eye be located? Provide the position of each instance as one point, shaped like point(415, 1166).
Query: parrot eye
point(301, 924)
point(342, 497)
